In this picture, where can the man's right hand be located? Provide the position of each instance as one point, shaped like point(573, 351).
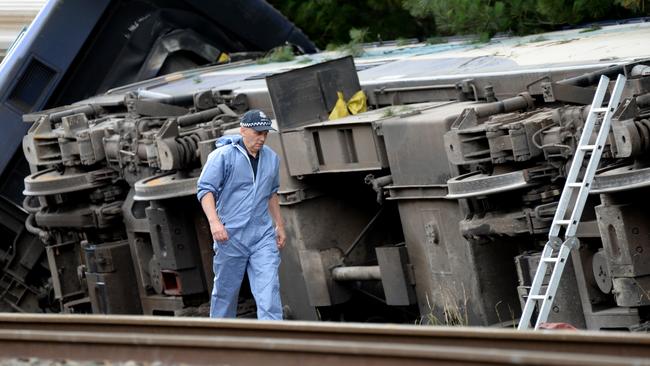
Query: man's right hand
point(219, 232)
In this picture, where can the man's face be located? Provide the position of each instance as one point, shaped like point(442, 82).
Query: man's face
point(253, 140)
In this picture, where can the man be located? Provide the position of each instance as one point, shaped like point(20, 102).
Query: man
point(238, 192)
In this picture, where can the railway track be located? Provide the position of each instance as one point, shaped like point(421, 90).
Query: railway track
point(199, 341)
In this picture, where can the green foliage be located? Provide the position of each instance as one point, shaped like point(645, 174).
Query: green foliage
point(538, 39)
point(402, 42)
point(591, 29)
point(355, 46)
point(278, 54)
point(388, 113)
point(358, 35)
point(332, 47)
point(461, 16)
point(634, 5)
point(435, 40)
point(394, 111)
point(573, 11)
point(330, 21)
point(352, 49)
point(483, 37)
point(517, 16)
point(305, 60)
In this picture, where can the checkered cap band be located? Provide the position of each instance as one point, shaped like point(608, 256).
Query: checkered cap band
point(255, 118)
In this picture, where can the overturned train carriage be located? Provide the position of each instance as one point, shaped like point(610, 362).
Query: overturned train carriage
point(432, 206)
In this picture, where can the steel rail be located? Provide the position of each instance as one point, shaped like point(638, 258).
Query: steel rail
point(201, 350)
point(204, 341)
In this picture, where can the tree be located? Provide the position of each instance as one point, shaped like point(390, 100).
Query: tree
point(488, 17)
point(329, 21)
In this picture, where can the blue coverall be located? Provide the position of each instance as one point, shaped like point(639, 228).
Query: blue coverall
point(243, 208)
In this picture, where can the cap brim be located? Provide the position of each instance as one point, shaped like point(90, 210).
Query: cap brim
point(263, 128)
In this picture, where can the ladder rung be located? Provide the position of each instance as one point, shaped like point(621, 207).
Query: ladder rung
point(587, 147)
point(599, 110)
point(545, 298)
point(537, 297)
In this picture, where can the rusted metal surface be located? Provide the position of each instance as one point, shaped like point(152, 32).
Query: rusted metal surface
point(195, 350)
point(205, 341)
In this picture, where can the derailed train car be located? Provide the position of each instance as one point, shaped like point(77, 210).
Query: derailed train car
point(430, 207)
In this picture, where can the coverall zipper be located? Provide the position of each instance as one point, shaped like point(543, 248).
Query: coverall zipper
point(251, 166)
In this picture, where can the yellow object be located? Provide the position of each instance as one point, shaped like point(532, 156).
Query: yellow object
point(340, 108)
point(223, 57)
point(358, 103)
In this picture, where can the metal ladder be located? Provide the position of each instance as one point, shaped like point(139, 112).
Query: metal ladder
point(576, 190)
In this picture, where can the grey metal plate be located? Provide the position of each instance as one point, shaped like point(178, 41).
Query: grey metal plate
point(393, 263)
point(620, 178)
point(417, 192)
point(307, 95)
point(52, 181)
point(478, 184)
point(164, 186)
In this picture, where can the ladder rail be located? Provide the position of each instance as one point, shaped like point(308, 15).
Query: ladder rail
point(547, 303)
point(577, 198)
point(594, 160)
point(536, 286)
point(578, 157)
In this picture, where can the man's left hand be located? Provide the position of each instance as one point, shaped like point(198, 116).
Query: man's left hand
point(280, 236)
